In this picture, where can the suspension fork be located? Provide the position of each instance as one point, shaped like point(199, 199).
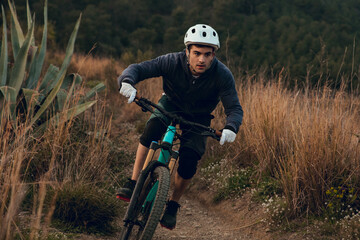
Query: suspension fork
point(149, 166)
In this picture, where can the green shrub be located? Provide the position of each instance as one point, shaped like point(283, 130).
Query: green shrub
point(86, 208)
point(234, 185)
point(266, 188)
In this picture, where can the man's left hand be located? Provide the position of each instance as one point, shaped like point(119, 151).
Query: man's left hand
point(227, 136)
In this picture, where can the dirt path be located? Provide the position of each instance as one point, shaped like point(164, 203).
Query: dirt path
point(195, 222)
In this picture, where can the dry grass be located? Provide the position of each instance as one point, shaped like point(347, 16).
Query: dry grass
point(308, 139)
point(90, 67)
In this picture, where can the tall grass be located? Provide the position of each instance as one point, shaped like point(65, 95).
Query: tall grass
point(306, 138)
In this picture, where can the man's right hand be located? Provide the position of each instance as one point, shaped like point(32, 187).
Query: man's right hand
point(128, 91)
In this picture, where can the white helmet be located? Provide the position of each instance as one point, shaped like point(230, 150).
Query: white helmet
point(202, 34)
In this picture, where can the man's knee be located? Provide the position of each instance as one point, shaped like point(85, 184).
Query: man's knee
point(153, 131)
point(188, 160)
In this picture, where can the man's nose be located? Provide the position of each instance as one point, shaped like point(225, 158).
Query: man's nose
point(202, 58)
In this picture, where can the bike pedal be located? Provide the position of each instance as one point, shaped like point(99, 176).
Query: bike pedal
point(123, 198)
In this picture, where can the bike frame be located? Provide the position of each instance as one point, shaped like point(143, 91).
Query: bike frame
point(164, 157)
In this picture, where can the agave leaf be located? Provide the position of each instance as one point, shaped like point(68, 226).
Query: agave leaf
point(70, 80)
point(17, 35)
point(31, 57)
point(70, 48)
point(48, 81)
point(72, 112)
point(76, 80)
point(61, 99)
point(8, 95)
point(30, 96)
point(29, 21)
point(28, 15)
point(37, 65)
point(48, 100)
point(61, 74)
point(93, 91)
point(18, 72)
point(4, 52)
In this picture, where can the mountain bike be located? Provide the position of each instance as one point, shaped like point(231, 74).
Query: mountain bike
point(150, 194)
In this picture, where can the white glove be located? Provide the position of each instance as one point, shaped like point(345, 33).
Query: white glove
point(128, 91)
point(227, 136)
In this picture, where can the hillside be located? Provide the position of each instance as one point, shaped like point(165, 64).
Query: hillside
point(317, 39)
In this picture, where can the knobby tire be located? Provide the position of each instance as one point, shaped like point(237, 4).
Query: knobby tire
point(149, 216)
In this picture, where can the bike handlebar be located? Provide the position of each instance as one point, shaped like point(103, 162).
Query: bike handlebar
point(146, 103)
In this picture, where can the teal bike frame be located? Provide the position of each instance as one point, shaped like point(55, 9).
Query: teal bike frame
point(164, 158)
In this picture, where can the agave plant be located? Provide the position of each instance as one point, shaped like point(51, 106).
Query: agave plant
point(24, 92)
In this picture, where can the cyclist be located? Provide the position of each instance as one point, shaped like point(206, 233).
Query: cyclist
point(194, 81)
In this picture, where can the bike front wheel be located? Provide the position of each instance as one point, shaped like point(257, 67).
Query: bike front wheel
point(148, 213)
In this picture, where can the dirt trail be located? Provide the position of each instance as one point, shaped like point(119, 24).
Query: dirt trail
point(196, 221)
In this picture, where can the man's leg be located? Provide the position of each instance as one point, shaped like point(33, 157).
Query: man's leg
point(180, 186)
point(187, 167)
point(126, 191)
point(141, 154)
point(153, 131)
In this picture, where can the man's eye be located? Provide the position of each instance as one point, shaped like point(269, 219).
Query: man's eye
point(207, 54)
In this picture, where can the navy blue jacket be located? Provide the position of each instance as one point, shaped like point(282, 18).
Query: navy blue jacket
point(197, 96)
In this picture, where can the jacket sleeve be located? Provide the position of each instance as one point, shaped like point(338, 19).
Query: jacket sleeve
point(135, 73)
point(230, 101)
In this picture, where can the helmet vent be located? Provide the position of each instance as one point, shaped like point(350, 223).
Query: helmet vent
point(204, 26)
point(204, 34)
point(193, 30)
point(214, 33)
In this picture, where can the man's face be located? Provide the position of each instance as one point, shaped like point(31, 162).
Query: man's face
point(200, 59)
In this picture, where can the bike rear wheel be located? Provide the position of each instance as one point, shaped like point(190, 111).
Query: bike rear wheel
point(147, 214)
